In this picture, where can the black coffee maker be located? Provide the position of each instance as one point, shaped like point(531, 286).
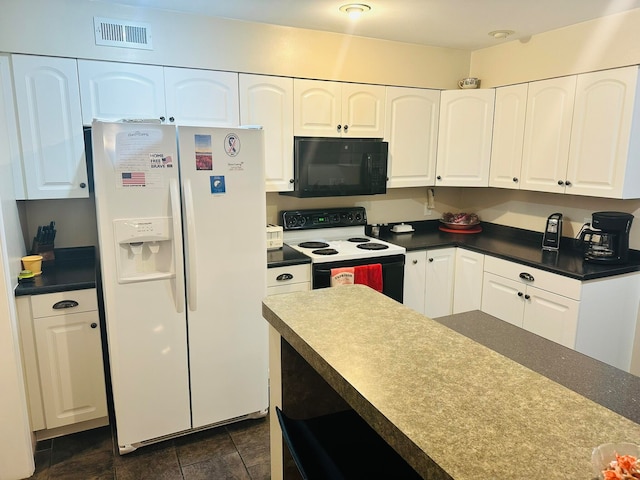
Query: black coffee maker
point(606, 239)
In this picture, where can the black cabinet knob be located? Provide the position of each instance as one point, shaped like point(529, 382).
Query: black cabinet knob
point(162, 119)
point(567, 183)
point(415, 262)
point(339, 127)
point(172, 119)
point(431, 259)
point(94, 325)
point(527, 297)
point(83, 185)
point(439, 177)
point(560, 182)
point(520, 294)
point(515, 179)
point(291, 180)
point(346, 127)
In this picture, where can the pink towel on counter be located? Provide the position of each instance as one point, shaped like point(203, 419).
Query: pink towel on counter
point(370, 275)
point(342, 276)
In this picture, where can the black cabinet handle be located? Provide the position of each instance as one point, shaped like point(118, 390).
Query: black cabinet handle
point(94, 325)
point(65, 304)
point(527, 276)
point(284, 277)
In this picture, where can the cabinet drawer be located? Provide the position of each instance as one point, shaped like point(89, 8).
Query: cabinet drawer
point(43, 305)
point(568, 287)
point(287, 275)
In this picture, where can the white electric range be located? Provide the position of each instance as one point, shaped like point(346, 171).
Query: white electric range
point(335, 238)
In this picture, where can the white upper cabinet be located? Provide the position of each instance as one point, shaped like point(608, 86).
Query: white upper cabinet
point(114, 91)
point(411, 128)
point(334, 109)
point(48, 103)
point(604, 149)
point(268, 101)
point(201, 97)
point(508, 134)
point(547, 134)
point(464, 137)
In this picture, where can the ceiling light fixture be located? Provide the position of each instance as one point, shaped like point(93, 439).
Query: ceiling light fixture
point(354, 10)
point(501, 34)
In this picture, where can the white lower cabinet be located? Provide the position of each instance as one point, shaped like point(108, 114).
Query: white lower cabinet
point(62, 350)
point(429, 278)
point(295, 278)
point(595, 317)
point(467, 289)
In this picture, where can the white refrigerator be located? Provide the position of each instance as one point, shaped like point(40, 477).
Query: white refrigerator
point(181, 224)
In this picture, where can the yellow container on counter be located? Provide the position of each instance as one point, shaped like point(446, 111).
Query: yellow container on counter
point(33, 263)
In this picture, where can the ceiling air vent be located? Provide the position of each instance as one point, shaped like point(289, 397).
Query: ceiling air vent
point(118, 33)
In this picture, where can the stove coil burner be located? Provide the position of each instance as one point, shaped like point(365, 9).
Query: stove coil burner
point(325, 251)
point(372, 246)
point(358, 240)
point(313, 245)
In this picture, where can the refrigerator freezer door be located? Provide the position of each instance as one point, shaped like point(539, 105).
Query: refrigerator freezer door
point(134, 166)
point(223, 170)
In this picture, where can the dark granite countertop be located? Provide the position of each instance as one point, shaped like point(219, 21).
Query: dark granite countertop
point(73, 269)
point(285, 257)
point(514, 244)
point(492, 401)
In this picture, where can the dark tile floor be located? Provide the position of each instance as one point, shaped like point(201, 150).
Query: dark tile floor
point(237, 451)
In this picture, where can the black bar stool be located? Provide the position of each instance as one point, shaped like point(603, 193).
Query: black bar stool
point(341, 446)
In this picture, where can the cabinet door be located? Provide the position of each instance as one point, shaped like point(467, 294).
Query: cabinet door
point(363, 110)
point(414, 280)
point(113, 91)
point(547, 134)
point(268, 101)
point(71, 371)
point(439, 279)
point(201, 97)
point(464, 138)
point(502, 298)
point(317, 108)
point(551, 316)
point(9, 128)
point(469, 271)
point(48, 103)
point(411, 128)
point(601, 133)
point(508, 134)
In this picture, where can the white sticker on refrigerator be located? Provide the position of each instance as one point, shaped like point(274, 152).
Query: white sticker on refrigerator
point(138, 163)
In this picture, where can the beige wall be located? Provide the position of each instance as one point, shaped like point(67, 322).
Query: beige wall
point(608, 42)
point(65, 28)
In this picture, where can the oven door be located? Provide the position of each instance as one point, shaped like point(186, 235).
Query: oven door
point(392, 273)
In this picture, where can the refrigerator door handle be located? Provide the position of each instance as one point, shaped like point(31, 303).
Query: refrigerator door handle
point(192, 297)
point(177, 248)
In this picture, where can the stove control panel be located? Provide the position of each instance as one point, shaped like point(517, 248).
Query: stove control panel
point(323, 218)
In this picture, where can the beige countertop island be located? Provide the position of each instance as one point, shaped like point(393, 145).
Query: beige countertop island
point(450, 406)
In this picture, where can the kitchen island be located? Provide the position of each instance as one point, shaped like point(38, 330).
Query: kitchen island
point(452, 407)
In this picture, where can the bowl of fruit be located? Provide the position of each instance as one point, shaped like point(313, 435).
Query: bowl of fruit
point(616, 461)
point(460, 221)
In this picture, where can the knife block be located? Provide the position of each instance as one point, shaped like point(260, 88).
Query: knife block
point(44, 249)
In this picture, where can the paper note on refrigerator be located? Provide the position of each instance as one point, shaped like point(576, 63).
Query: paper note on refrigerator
point(138, 162)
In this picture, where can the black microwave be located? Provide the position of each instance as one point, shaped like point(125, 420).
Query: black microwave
point(328, 167)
